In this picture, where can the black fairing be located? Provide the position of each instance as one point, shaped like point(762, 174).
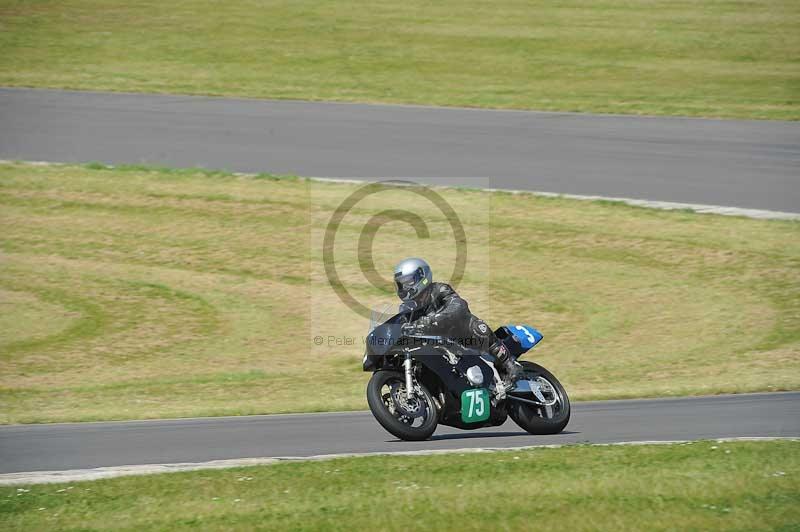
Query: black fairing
point(442, 369)
point(382, 341)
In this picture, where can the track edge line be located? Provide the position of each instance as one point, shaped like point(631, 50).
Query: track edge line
point(82, 475)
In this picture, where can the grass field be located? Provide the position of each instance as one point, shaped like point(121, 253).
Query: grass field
point(699, 486)
point(727, 58)
point(135, 293)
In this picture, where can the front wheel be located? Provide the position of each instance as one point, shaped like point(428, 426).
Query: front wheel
point(411, 420)
point(537, 419)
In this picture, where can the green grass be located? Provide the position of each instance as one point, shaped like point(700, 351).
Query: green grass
point(136, 293)
point(726, 58)
point(699, 486)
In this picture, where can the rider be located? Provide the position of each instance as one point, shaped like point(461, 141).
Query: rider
point(440, 309)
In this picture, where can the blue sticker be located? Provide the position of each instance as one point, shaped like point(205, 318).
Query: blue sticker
point(527, 335)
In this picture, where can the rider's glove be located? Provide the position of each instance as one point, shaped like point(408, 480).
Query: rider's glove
point(417, 326)
point(422, 324)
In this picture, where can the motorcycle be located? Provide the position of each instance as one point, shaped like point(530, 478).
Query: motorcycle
point(421, 381)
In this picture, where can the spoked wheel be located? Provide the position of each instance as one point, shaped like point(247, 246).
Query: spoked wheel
point(409, 419)
point(550, 418)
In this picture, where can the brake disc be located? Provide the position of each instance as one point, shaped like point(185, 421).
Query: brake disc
point(408, 407)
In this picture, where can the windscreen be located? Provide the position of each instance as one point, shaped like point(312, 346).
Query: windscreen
point(378, 316)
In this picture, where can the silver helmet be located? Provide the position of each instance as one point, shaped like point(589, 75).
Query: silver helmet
point(412, 278)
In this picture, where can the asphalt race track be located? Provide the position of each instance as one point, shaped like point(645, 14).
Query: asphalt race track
point(55, 447)
point(735, 163)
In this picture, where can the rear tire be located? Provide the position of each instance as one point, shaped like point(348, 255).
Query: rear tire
point(377, 404)
point(532, 418)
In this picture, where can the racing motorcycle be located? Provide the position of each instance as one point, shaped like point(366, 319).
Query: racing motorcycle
point(420, 381)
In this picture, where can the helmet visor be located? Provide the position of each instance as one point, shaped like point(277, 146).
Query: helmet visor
point(407, 285)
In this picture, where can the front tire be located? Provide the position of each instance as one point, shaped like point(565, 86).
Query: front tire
point(390, 416)
point(538, 419)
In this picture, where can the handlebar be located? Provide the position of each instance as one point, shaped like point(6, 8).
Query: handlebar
point(432, 338)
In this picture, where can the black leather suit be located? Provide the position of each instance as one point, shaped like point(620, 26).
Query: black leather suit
point(445, 313)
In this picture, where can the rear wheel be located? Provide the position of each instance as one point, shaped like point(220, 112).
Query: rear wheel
point(409, 419)
point(537, 419)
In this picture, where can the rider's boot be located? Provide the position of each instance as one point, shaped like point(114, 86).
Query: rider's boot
point(510, 370)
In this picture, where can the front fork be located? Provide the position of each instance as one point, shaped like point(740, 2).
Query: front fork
point(409, 375)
